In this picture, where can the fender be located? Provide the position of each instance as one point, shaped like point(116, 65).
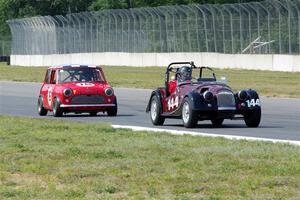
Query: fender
point(200, 104)
point(159, 96)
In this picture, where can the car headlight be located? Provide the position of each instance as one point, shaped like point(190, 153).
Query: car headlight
point(109, 91)
point(242, 95)
point(208, 96)
point(67, 92)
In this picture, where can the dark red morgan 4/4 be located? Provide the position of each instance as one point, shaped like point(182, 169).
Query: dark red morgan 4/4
point(194, 94)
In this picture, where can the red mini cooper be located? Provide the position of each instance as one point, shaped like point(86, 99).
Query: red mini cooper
point(78, 89)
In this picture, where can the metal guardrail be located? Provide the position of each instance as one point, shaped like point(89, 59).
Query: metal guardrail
point(224, 28)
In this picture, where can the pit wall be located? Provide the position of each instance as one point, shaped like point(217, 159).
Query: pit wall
point(271, 62)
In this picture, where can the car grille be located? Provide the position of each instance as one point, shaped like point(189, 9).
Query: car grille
point(93, 98)
point(226, 101)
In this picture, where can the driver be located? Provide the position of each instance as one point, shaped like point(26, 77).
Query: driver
point(184, 74)
point(86, 76)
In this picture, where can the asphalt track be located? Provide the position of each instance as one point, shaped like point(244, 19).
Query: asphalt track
point(280, 117)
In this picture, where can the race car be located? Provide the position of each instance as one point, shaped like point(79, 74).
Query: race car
point(78, 89)
point(194, 94)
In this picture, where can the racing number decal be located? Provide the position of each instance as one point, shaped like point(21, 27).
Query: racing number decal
point(49, 96)
point(253, 102)
point(173, 103)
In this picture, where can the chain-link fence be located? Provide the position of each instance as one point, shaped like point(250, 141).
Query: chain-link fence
point(271, 26)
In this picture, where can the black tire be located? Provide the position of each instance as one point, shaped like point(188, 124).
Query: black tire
point(41, 110)
point(57, 110)
point(189, 116)
point(252, 118)
point(93, 113)
point(155, 112)
point(216, 123)
point(113, 110)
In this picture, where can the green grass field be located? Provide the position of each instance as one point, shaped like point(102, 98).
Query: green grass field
point(267, 83)
point(54, 159)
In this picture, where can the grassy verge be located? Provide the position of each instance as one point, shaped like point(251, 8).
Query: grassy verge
point(51, 159)
point(267, 83)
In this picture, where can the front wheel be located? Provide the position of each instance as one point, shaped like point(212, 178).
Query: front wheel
point(155, 112)
point(41, 110)
point(57, 110)
point(252, 118)
point(189, 116)
point(113, 110)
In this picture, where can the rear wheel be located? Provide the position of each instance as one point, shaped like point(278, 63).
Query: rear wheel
point(217, 122)
point(189, 117)
point(113, 110)
point(155, 112)
point(57, 110)
point(41, 110)
point(252, 118)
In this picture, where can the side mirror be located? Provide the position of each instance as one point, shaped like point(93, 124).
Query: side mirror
point(223, 79)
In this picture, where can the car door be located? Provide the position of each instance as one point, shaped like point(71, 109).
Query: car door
point(172, 101)
point(48, 88)
point(44, 88)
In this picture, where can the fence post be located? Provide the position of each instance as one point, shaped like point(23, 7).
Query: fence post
point(204, 22)
point(269, 31)
point(231, 27)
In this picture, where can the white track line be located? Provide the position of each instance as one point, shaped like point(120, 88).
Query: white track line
point(231, 137)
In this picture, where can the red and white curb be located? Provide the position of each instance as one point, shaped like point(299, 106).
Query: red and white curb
point(231, 137)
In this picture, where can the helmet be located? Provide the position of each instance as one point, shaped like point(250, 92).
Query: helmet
point(185, 73)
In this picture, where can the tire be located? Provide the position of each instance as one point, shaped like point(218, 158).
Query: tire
point(112, 112)
point(57, 110)
point(93, 113)
point(189, 116)
point(252, 118)
point(155, 112)
point(216, 123)
point(41, 110)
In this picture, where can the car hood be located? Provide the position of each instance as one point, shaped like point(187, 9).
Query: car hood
point(214, 87)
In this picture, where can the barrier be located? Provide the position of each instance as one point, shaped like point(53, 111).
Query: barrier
point(274, 62)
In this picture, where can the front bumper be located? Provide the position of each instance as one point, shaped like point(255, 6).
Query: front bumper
point(85, 105)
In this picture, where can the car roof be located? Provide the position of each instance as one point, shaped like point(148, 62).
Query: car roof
point(73, 66)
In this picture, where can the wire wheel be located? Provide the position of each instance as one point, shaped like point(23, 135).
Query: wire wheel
point(189, 116)
point(155, 112)
point(185, 112)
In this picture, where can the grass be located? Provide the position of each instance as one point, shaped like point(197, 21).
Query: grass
point(267, 83)
point(54, 159)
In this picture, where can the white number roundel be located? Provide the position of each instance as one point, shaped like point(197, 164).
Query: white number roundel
point(49, 96)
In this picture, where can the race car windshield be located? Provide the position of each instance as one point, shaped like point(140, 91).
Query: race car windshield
point(80, 75)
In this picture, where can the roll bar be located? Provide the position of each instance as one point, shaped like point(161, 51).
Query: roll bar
point(169, 69)
point(193, 66)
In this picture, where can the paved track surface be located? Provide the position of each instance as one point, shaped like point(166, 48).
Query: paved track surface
point(280, 117)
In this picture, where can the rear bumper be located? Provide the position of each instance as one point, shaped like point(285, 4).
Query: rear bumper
point(85, 105)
